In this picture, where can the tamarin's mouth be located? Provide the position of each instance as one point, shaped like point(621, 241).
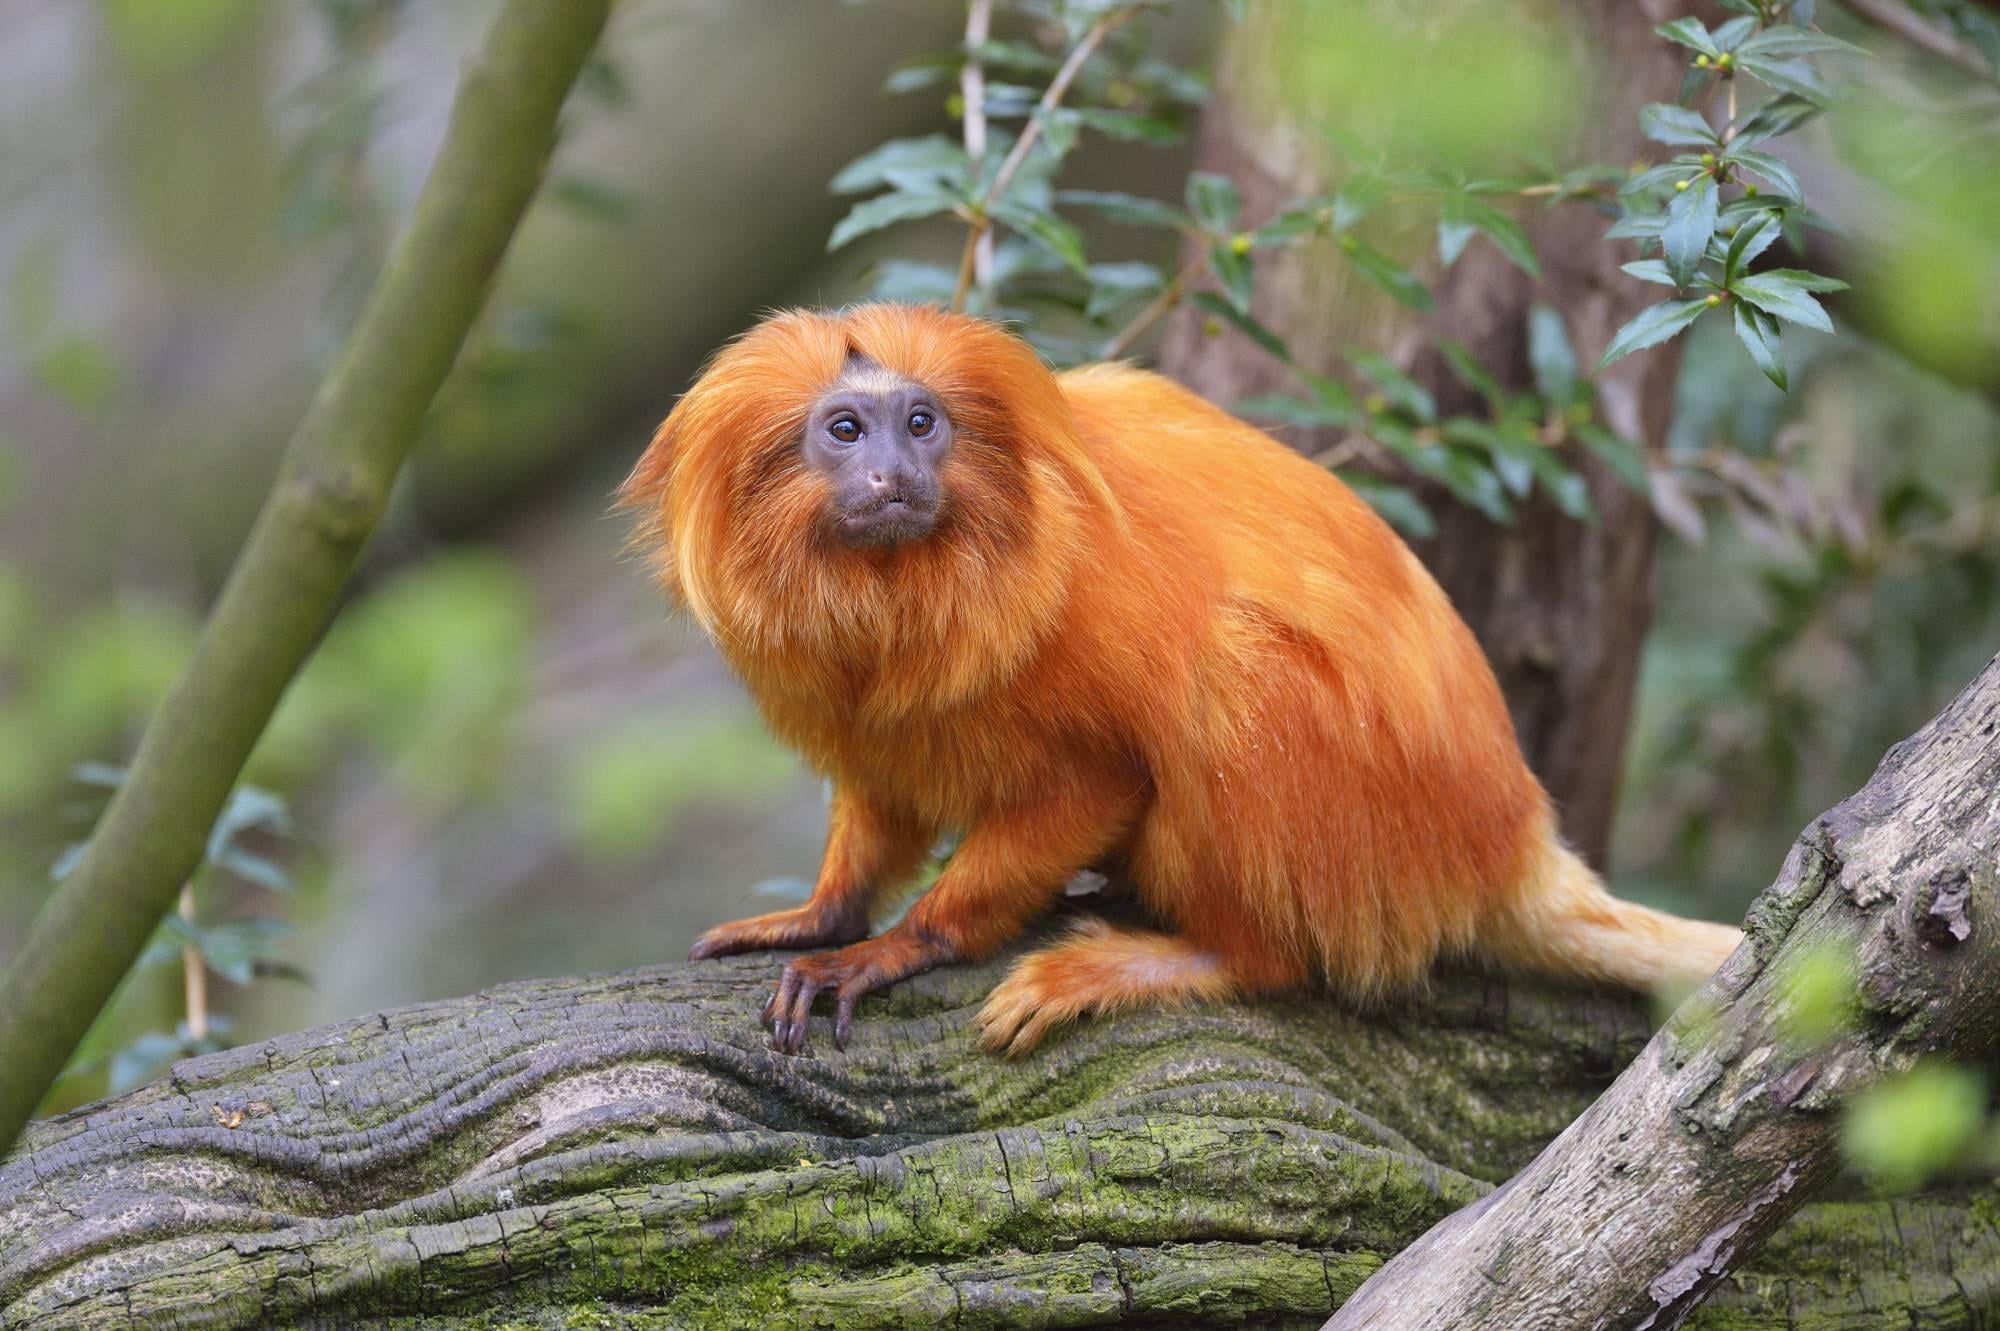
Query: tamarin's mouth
point(889, 522)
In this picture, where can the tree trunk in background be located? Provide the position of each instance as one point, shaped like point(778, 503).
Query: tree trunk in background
point(1561, 607)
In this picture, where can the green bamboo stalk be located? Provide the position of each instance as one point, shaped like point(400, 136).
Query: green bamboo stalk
point(325, 504)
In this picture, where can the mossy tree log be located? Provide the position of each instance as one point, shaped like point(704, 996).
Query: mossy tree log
point(624, 1150)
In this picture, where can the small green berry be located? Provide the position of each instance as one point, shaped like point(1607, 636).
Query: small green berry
point(1701, 62)
point(1680, 185)
point(1713, 300)
point(1239, 243)
point(1350, 244)
point(1211, 328)
point(1725, 60)
point(1708, 159)
point(1750, 191)
point(1375, 403)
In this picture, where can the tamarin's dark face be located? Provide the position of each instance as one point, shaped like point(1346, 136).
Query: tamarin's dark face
point(879, 440)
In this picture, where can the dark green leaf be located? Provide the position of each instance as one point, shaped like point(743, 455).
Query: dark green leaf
point(1664, 123)
point(1689, 32)
point(256, 869)
point(1455, 229)
point(1685, 167)
point(1769, 167)
point(1651, 326)
point(1312, 215)
point(1213, 200)
point(1651, 270)
point(1233, 270)
point(1550, 354)
point(923, 71)
point(1250, 328)
point(1801, 278)
point(1729, 36)
point(1401, 509)
point(1783, 297)
point(1113, 285)
point(913, 283)
point(1358, 195)
point(1399, 388)
point(1388, 274)
point(248, 807)
point(1793, 76)
point(1690, 223)
point(1016, 57)
point(1295, 411)
point(1784, 40)
point(886, 210)
point(933, 155)
point(1620, 454)
point(1758, 332)
point(1510, 460)
point(1753, 236)
point(1465, 367)
point(1062, 239)
point(1780, 115)
point(1130, 209)
point(1506, 235)
point(1570, 491)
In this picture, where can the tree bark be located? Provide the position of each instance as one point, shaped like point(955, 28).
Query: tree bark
point(325, 504)
point(1711, 1138)
point(623, 1150)
point(1561, 607)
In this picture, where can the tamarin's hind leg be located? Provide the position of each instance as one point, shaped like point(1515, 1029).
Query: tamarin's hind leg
point(866, 850)
point(1097, 969)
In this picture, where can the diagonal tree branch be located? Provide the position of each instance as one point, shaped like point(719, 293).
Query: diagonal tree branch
point(325, 504)
point(1726, 1122)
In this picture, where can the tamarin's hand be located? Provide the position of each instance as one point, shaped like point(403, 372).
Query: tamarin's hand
point(1090, 615)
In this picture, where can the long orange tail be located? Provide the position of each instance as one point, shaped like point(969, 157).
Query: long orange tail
point(1563, 923)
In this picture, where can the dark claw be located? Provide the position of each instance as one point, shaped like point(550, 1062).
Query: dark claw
point(843, 1020)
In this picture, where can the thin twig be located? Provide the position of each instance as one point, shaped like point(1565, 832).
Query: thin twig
point(1907, 24)
point(972, 91)
point(194, 972)
point(1072, 65)
point(1157, 307)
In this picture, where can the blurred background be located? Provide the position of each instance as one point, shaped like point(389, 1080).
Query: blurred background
point(507, 759)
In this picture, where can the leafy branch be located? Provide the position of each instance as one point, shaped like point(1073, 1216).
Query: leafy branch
point(1706, 243)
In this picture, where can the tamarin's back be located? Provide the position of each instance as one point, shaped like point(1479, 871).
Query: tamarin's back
point(1088, 619)
point(1340, 750)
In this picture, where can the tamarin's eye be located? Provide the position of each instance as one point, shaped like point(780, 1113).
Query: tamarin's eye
point(921, 423)
point(846, 429)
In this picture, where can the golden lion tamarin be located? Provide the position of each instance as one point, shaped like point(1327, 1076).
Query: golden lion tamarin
point(1089, 619)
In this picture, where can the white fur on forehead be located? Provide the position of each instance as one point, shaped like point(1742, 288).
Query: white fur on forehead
point(866, 376)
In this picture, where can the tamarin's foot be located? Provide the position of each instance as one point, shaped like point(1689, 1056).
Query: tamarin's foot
point(802, 927)
point(1098, 968)
point(848, 973)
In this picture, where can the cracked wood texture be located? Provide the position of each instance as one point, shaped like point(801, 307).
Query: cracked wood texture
point(623, 1151)
point(1724, 1123)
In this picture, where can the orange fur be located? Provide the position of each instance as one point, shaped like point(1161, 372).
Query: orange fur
point(1142, 631)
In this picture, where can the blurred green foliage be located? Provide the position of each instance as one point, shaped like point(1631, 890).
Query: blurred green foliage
point(622, 792)
point(1908, 1128)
